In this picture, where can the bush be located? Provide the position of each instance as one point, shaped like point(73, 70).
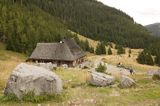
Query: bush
point(101, 68)
point(156, 77)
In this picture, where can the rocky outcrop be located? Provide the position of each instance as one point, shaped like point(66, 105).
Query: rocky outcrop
point(126, 82)
point(27, 78)
point(100, 79)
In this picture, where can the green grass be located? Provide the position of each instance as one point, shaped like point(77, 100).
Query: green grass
point(30, 97)
point(77, 90)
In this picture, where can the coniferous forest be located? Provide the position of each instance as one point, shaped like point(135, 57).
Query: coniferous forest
point(23, 23)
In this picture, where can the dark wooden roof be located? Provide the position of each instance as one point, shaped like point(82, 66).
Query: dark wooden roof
point(68, 50)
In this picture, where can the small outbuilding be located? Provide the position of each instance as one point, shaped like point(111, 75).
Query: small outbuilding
point(65, 52)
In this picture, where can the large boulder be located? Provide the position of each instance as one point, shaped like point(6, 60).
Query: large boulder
point(100, 79)
point(126, 82)
point(156, 75)
point(27, 78)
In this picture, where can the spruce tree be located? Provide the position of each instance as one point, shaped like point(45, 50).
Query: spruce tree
point(145, 58)
point(100, 49)
point(141, 58)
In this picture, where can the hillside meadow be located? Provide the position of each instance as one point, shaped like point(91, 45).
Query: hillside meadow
point(77, 90)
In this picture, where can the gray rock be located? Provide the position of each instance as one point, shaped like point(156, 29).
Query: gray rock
point(126, 82)
point(100, 79)
point(28, 78)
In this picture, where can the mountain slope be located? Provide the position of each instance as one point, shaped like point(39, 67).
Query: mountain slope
point(26, 22)
point(154, 29)
point(24, 26)
point(96, 21)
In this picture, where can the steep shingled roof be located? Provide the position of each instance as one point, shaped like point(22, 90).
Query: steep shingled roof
point(66, 51)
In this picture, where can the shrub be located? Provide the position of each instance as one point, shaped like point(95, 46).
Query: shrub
point(101, 68)
point(156, 77)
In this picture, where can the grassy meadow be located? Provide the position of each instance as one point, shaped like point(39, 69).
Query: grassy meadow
point(78, 92)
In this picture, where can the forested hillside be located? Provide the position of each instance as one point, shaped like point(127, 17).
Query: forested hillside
point(154, 29)
point(96, 21)
point(21, 27)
